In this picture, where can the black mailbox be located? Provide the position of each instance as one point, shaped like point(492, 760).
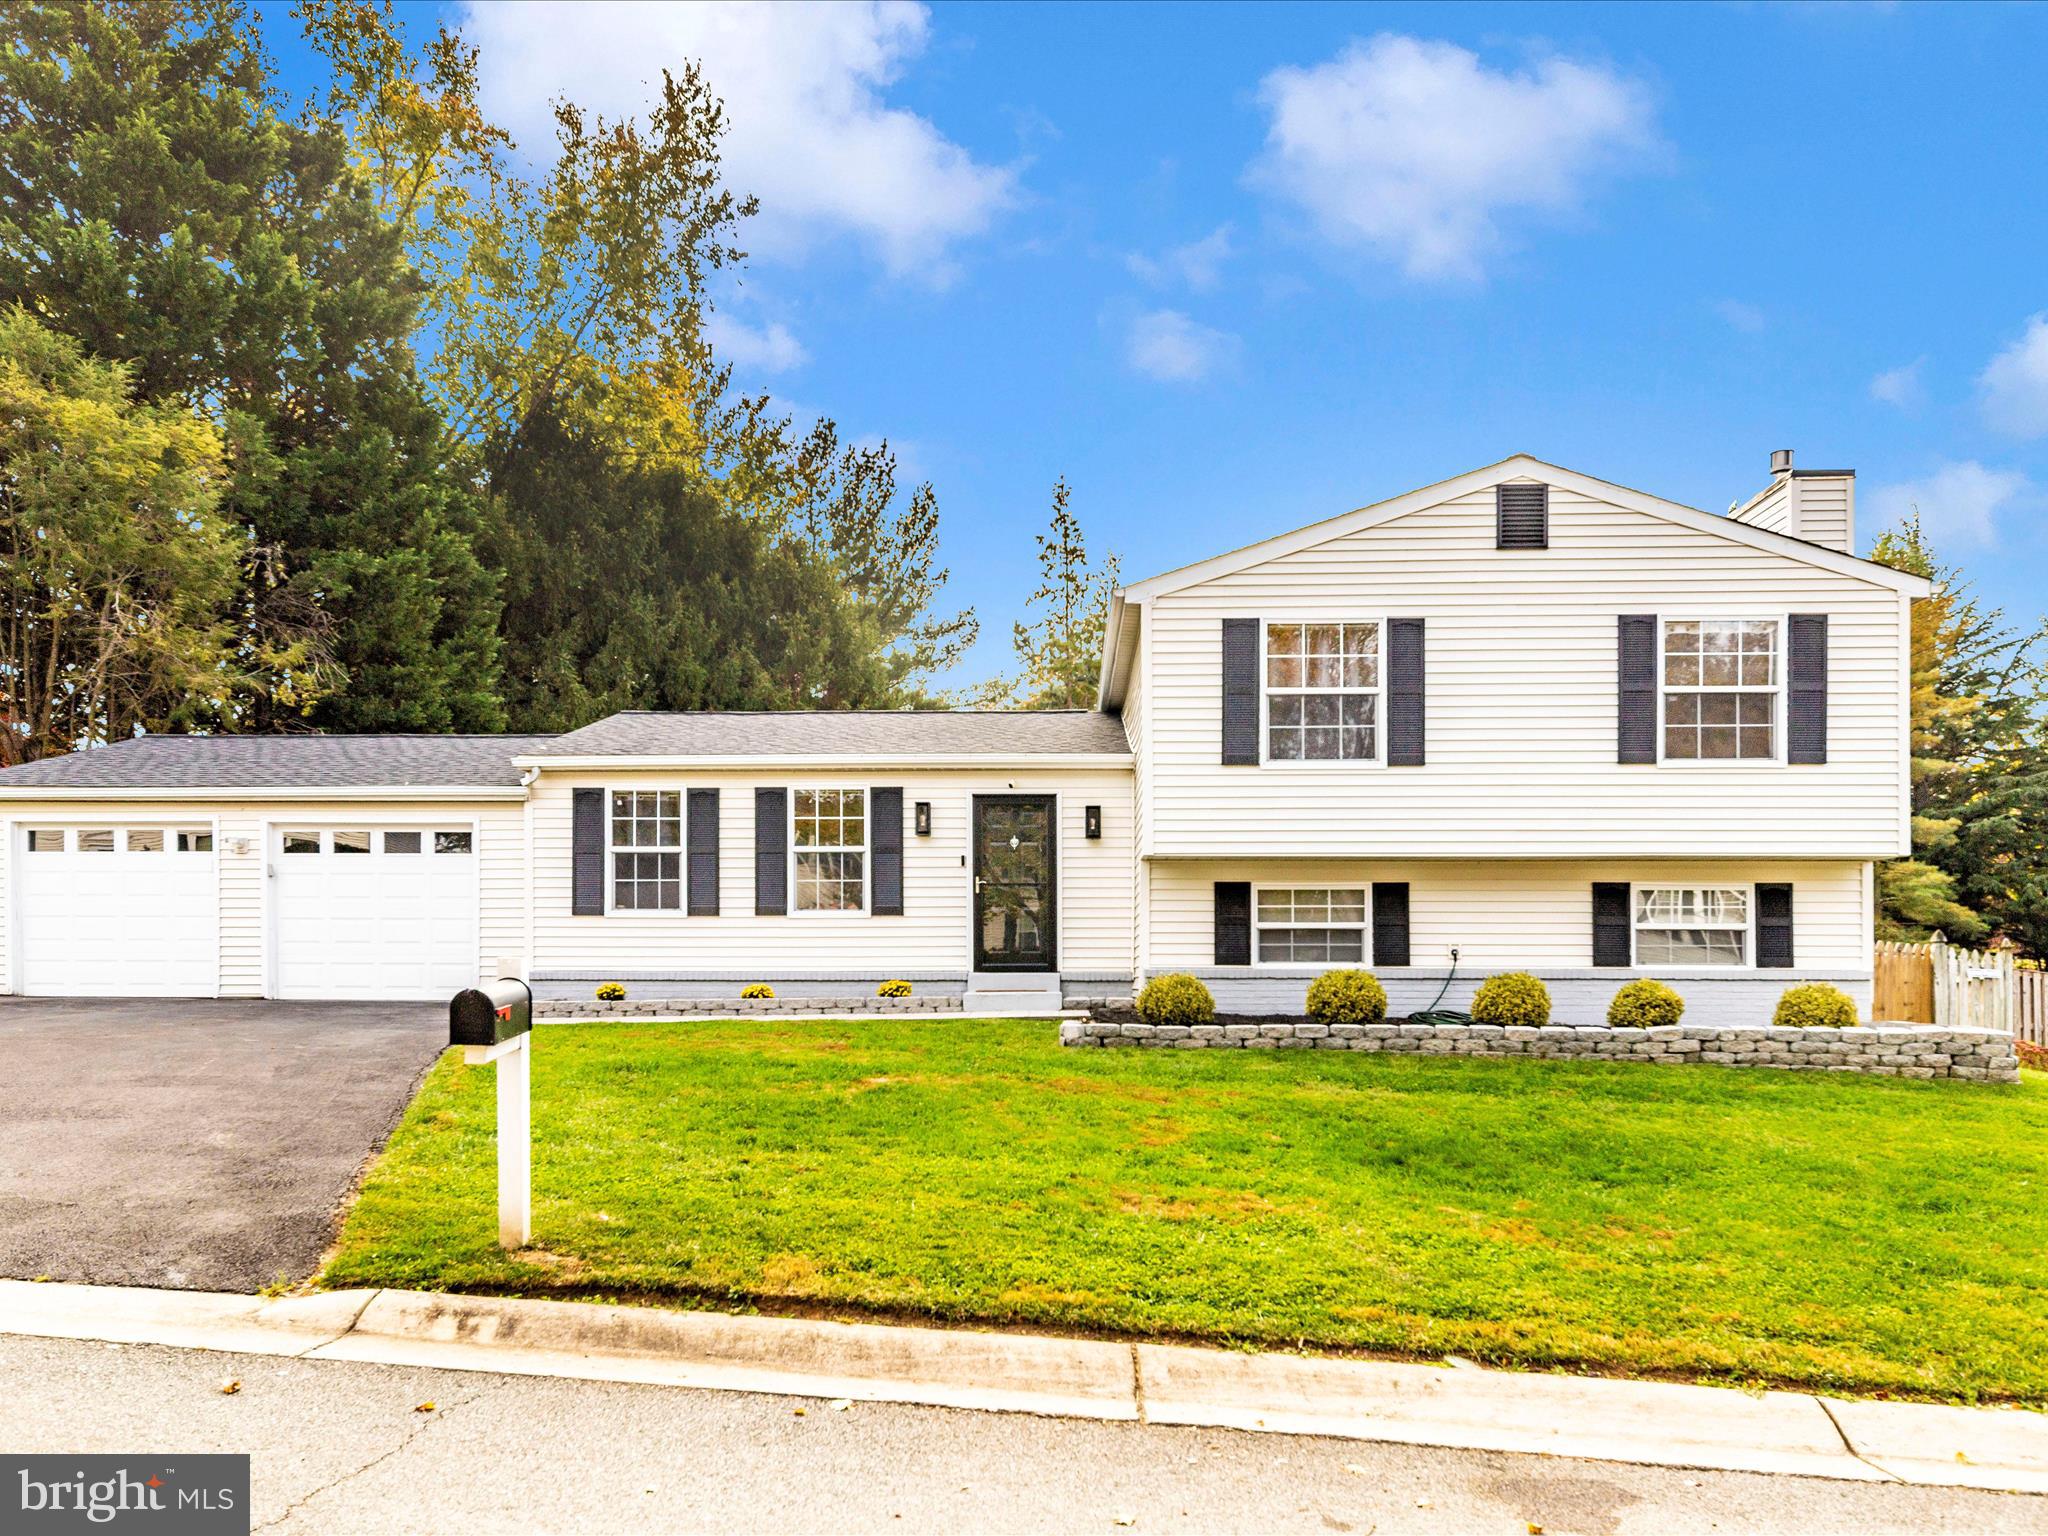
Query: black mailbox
point(490, 1015)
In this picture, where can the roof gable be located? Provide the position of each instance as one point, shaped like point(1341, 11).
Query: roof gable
point(1522, 467)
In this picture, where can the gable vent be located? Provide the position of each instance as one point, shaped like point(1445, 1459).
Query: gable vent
point(1521, 516)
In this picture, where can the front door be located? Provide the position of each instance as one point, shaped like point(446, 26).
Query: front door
point(1014, 857)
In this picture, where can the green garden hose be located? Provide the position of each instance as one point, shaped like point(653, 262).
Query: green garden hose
point(1435, 1015)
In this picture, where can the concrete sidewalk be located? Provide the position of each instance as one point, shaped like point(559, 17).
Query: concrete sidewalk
point(1650, 1423)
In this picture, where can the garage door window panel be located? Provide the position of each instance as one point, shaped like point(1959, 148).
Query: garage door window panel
point(46, 840)
point(453, 842)
point(144, 840)
point(95, 839)
point(401, 842)
point(302, 842)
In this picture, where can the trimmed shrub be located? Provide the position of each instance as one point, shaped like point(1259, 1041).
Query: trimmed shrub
point(1347, 997)
point(893, 989)
point(1176, 999)
point(757, 989)
point(611, 992)
point(1645, 1004)
point(1815, 1006)
point(1515, 998)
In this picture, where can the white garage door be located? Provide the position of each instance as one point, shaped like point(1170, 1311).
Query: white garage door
point(374, 912)
point(117, 911)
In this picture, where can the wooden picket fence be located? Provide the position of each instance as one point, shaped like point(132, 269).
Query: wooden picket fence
point(1940, 983)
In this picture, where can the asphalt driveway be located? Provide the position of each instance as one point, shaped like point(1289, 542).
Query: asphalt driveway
point(200, 1145)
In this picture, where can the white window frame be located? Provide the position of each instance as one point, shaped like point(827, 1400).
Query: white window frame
point(681, 850)
point(1365, 925)
point(1637, 888)
point(1378, 693)
point(865, 849)
point(1778, 689)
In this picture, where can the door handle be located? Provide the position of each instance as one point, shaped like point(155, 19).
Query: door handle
point(977, 885)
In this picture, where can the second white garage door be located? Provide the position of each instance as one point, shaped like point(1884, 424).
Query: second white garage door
point(373, 912)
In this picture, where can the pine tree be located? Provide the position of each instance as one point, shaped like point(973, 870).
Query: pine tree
point(1979, 767)
point(1060, 646)
point(157, 206)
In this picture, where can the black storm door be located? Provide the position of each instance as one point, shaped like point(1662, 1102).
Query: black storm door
point(1014, 859)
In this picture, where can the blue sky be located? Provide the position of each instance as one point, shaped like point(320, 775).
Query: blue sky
point(1231, 270)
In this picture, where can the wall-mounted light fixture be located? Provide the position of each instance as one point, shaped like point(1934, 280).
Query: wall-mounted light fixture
point(1091, 821)
point(924, 818)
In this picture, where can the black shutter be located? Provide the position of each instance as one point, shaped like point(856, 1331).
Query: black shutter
point(1390, 922)
point(1240, 691)
point(1233, 922)
point(1521, 516)
point(1637, 741)
point(1774, 926)
point(885, 837)
point(1612, 942)
point(771, 852)
point(703, 853)
point(586, 855)
point(1806, 673)
point(1404, 693)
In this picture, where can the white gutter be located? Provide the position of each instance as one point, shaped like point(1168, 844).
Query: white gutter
point(1014, 762)
point(273, 792)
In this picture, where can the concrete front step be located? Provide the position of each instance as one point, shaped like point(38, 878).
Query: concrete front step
point(1026, 994)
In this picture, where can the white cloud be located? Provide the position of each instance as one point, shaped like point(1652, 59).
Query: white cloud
point(1959, 503)
point(767, 348)
point(1901, 386)
point(1414, 150)
point(1744, 317)
point(2015, 384)
point(811, 131)
point(1198, 264)
point(1165, 344)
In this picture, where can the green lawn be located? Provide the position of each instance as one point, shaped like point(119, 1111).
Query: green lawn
point(1858, 1234)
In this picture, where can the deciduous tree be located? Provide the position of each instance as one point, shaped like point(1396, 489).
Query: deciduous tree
point(119, 575)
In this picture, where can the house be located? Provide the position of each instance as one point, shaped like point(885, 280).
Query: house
point(1520, 719)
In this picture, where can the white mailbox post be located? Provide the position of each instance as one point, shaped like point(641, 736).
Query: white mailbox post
point(494, 1027)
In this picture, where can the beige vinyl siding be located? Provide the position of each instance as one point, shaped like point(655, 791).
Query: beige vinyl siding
point(1521, 712)
point(1769, 509)
point(1531, 915)
point(1094, 918)
point(240, 852)
point(1827, 510)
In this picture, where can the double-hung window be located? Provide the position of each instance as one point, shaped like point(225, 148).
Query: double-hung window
point(1310, 925)
point(647, 850)
point(1322, 692)
point(1722, 679)
point(830, 848)
point(1692, 925)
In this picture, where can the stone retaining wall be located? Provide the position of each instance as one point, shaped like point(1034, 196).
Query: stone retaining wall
point(736, 1007)
point(1886, 1050)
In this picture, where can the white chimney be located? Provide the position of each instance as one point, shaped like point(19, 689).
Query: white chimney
point(1817, 505)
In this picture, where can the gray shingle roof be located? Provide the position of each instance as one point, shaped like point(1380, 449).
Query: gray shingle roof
point(846, 733)
point(281, 762)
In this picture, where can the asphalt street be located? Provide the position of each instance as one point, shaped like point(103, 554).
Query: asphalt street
point(342, 1447)
point(195, 1145)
